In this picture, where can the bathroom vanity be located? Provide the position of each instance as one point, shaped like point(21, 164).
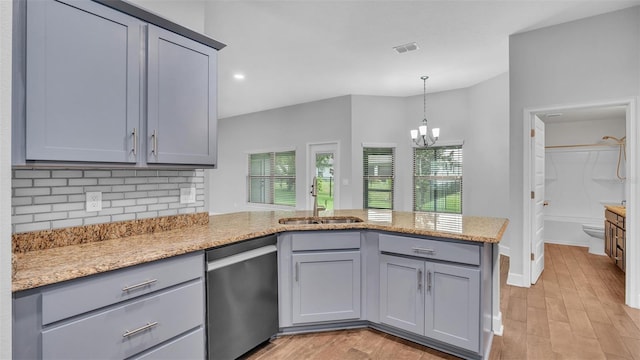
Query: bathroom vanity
point(615, 234)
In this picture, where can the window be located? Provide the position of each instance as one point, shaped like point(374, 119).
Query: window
point(377, 165)
point(437, 179)
point(272, 178)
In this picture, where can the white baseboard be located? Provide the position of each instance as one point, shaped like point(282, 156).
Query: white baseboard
point(517, 280)
point(498, 328)
point(570, 243)
point(505, 250)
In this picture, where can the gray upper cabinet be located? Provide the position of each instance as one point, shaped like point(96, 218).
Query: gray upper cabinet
point(104, 82)
point(182, 113)
point(82, 84)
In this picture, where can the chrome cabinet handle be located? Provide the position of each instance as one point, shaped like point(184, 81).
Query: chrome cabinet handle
point(136, 286)
point(154, 141)
point(429, 281)
point(135, 141)
point(419, 280)
point(418, 250)
point(128, 333)
point(297, 270)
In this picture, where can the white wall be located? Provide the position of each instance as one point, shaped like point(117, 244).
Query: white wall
point(583, 132)
point(5, 178)
point(589, 60)
point(291, 127)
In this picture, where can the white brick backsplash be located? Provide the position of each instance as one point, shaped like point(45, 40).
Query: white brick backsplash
point(135, 209)
point(54, 199)
point(32, 209)
point(83, 182)
point(168, 212)
point(31, 191)
point(123, 217)
point(31, 174)
point(147, 215)
point(97, 220)
point(65, 223)
point(66, 174)
point(34, 226)
point(16, 183)
point(46, 199)
point(97, 173)
point(50, 216)
point(50, 182)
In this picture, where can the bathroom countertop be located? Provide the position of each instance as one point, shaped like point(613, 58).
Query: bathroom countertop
point(618, 209)
point(52, 265)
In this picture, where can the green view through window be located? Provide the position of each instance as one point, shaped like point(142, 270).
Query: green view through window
point(272, 178)
point(378, 171)
point(437, 179)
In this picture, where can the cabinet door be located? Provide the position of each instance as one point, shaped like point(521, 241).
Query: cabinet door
point(182, 115)
point(402, 293)
point(453, 305)
point(326, 286)
point(608, 238)
point(83, 82)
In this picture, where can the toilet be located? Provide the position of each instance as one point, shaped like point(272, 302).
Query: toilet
point(596, 240)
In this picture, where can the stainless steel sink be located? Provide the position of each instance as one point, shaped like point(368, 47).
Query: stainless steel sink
point(320, 220)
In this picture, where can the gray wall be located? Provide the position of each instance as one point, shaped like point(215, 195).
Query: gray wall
point(475, 115)
point(588, 60)
point(286, 128)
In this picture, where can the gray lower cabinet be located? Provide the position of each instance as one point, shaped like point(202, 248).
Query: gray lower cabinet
point(319, 275)
point(182, 112)
point(423, 294)
point(100, 86)
point(147, 311)
point(326, 286)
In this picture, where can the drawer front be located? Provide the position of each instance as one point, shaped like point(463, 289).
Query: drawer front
point(431, 249)
point(614, 218)
point(112, 334)
point(189, 346)
point(325, 241)
point(79, 296)
point(620, 239)
point(620, 258)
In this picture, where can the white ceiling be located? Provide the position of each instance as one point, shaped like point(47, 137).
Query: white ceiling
point(299, 51)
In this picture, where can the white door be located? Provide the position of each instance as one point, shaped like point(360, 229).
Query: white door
point(323, 164)
point(538, 203)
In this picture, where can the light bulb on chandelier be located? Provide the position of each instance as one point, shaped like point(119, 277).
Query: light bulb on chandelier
point(421, 137)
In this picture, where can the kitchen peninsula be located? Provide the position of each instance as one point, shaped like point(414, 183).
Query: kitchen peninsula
point(459, 247)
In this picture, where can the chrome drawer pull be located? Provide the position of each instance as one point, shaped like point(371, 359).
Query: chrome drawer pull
point(424, 251)
point(140, 329)
point(429, 281)
point(144, 283)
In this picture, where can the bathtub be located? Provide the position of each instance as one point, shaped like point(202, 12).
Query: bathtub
point(567, 230)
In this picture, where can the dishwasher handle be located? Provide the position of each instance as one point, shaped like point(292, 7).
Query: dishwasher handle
point(244, 256)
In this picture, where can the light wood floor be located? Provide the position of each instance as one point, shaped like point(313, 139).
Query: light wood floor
point(575, 311)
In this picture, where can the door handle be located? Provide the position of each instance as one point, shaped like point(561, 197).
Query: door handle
point(135, 141)
point(154, 142)
point(297, 270)
point(545, 203)
point(429, 282)
point(419, 280)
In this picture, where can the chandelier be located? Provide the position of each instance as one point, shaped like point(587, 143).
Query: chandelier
point(422, 137)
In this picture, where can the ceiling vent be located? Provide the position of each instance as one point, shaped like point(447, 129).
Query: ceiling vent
point(406, 48)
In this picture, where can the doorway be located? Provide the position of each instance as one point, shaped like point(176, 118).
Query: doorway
point(531, 214)
point(323, 163)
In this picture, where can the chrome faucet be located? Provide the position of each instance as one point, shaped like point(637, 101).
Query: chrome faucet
point(314, 193)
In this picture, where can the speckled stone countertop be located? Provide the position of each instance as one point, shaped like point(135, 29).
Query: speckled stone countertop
point(618, 209)
point(44, 267)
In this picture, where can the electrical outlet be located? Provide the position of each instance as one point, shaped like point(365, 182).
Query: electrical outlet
point(187, 195)
point(94, 201)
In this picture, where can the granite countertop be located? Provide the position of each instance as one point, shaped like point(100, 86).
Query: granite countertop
point(618, 209)
point(43, 267)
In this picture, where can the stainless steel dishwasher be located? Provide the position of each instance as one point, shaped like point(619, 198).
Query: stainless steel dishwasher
point(242, 297)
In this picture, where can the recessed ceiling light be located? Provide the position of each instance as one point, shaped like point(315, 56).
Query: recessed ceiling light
point(238, 76)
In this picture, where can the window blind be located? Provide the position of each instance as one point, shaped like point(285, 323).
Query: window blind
point(437, 179)
point(272, 178)
point(378, 177)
